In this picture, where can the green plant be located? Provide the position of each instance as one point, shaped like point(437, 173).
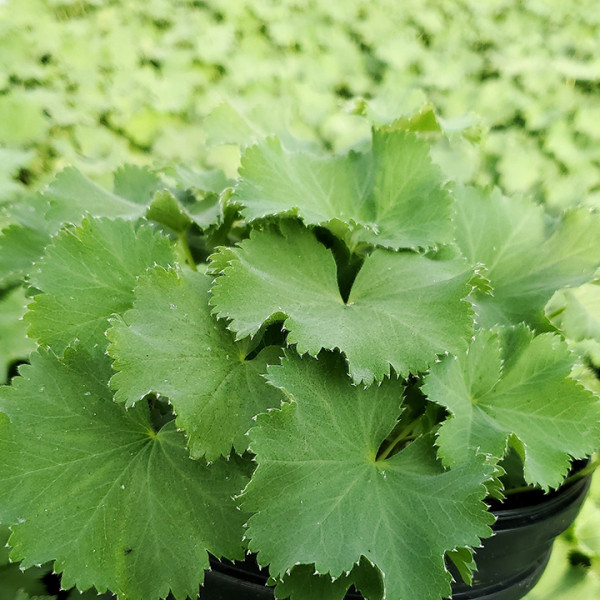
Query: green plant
point(331, 361)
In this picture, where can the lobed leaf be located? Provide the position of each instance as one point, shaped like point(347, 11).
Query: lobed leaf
point(525, 260)
point(68, 198)
point(117, 504)
point(402, 311)
point(87, 274)
point(391, 196)
point(320, 495)
point(512, 387)
point(170, 344)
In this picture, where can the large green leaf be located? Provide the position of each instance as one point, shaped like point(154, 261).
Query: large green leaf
point(525, 260)
point(321, 496)
point(117, 504)
point(513, 387)
point(87, 274)
point(170, 344)
point(391, 196)
point(402, 311)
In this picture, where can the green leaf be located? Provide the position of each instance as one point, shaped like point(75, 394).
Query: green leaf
point(463, 560)
point(321, 497)
point(14, 343)
point(204, 181)
point(87, 274)
point(16, 584)
point(134, 183)
point(391, 196)
point(511, 387)
point(303, 583)
point(225, 125)
point(203, 209)
point(166, 210)
point(203, 196)
point(576, 312)
point(95, 488)
point(402, 311)
point(525, 261)
point(23, 240)
point(20, 248)
point(72, 195)
point(170, 344)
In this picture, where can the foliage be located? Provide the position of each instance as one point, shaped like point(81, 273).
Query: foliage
point(96, 84)
point(329, 378)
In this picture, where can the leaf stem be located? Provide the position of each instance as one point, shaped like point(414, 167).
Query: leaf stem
point(400, 437)
point(185, 247)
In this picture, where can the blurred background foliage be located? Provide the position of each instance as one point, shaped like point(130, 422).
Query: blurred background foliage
point(515, 84)
point(102, 82)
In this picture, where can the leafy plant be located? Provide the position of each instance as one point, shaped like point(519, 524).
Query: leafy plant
point(330, 362)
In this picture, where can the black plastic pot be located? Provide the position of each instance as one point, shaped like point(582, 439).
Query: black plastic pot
point(509, 564)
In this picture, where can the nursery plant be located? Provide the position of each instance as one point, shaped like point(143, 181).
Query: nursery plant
point(334, 362)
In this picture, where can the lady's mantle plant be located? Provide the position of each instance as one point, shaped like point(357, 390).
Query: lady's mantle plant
point(325, 362)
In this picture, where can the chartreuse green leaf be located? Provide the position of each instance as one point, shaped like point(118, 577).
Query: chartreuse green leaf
point(320, 495)
point(117, 504)
point(87, 274)
point(170, 344)
point(402, 311)
point(392, 196)
point(499, 232)
point(302, 583)
point(14, 343)
point(512, 387)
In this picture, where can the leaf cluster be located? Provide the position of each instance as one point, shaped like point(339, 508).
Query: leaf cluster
point(330, 362)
